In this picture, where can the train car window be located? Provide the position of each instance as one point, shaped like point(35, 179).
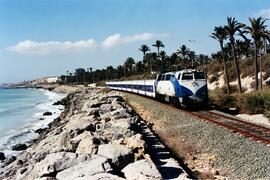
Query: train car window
point(187, 76)
point(179, 76)
point(199, 75)
point(168, 77)
point(163, 77)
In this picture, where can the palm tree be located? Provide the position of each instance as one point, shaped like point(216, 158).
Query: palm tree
point(232, 27)
point(174, 63)
point(158, 44)
point(163, 58)
point(139, 67)
point(110, 72)
point(257, 31)
point(144, 48)
point(192, 56)
point(243, 48)
point(183, 51)
point(128, 65)
point(219, 34)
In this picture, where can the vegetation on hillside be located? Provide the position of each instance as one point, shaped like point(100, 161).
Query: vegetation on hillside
point(242, 47)
point(243, 52)
point(151, 64)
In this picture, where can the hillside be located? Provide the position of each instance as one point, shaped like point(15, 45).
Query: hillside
point(250, 102)
point(216, 75)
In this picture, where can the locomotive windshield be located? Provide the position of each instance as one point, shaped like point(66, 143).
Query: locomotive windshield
point(199, 75)
point(189, 76)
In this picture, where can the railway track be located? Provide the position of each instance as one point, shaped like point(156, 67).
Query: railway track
point(249, 130)
point(236, 125)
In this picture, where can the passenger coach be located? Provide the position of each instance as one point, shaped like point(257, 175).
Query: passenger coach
point(180, 87)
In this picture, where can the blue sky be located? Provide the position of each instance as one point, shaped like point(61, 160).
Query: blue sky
point(47, 37)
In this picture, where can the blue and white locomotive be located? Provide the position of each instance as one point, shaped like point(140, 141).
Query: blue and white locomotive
point(180, 87)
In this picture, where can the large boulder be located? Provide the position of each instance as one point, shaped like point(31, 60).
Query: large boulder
point(47, 113)
point(100, 176)
point(97, 164)
point(2, 156)
point(136, 143)
point(80, 122)
point(19, 147)
point(125, 123)
point(54, 163)
point(107, 132)
point(120, 113)
point(104, 108)
point(93, 111)
point(142, 169)
point(87, 144)
point(62, 143)
point(119, 155)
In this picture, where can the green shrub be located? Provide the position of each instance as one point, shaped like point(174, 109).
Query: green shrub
point(233, 89)
point(267, 113)
point(213, 67)
point(101, 83)
point(221, 99)
point(255, 102)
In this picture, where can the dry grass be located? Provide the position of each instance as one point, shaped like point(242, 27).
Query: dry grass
point(207, 175)
point(169, 136)
point(249, 103)
point(105, 90)
point(255, 102)
point(173, 139)
point(221, 99)
point(246, 67)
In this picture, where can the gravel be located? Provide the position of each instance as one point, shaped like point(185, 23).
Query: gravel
point(242, 158)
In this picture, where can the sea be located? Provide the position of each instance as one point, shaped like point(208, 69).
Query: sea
point(21, 114)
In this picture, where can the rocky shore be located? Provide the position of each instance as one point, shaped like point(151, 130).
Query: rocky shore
point(98, 136)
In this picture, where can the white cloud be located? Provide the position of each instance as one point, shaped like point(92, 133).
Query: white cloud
point(117, 39)
point(111, 41)
point(265, 13)
point(32, 47)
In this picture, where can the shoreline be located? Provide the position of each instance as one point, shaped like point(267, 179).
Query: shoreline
point(26, 131)
point(96, 136)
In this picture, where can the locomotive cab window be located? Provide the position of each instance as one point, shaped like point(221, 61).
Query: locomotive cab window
point(168, 77)
point(187, 76)
point(199, 75)
point(179, 76)
point(163, 77)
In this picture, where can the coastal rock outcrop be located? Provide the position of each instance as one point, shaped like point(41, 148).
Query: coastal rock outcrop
point(94, 138)
point(47, 113)
point(119, 155)
point(142, 169)
point(97, 164)
point(19, 147)
point(2, 156)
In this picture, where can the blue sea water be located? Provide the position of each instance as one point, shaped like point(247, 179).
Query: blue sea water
point(20, 113)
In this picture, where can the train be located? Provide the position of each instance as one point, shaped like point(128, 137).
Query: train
point(185, 87)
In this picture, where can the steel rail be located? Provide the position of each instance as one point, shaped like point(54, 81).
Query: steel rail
point(231, 127)
point(222, 124)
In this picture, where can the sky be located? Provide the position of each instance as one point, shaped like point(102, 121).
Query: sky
point(48, 37)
